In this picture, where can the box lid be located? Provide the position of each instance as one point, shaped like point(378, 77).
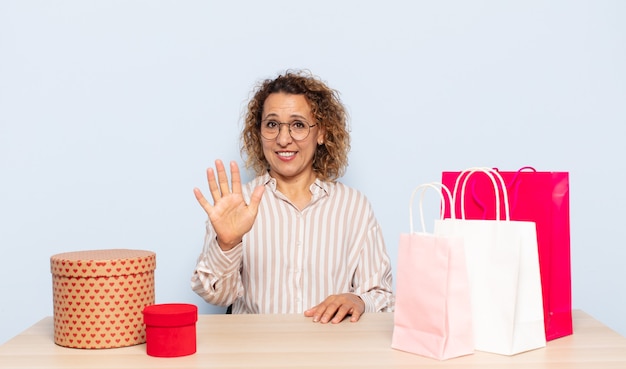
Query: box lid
point(170, 315)
point(102, 263)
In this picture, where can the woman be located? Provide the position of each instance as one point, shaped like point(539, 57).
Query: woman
point(293, 240)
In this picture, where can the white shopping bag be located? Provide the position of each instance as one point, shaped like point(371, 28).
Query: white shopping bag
point(503, 267)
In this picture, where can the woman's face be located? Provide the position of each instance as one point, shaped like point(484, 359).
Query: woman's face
point(290, 159)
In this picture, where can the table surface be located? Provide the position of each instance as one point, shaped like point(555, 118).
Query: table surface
point(293, 341)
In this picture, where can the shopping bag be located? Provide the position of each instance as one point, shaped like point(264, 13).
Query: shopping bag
point(503, 268)
point(543, 198)
point(433, 308)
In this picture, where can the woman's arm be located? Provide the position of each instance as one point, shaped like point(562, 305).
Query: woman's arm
point(216, 277)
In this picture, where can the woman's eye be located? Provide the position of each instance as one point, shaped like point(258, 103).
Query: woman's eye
point(298, 124)
point(271, 124)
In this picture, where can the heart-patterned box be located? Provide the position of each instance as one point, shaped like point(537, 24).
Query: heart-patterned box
point(99, 296)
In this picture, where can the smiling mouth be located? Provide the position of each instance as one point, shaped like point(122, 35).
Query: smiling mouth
point(286, 154)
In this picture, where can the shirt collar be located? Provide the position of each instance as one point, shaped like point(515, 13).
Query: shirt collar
point(318, 188)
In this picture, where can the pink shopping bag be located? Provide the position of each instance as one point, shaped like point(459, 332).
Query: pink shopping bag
point(433, 309)
point(543, 198)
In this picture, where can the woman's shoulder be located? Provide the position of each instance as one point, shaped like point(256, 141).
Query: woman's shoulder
point(259, 180)
point(342, 189)
point(255, 182)
point(355, 201)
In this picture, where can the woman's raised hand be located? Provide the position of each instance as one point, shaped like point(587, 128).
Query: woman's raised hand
point(230, 216)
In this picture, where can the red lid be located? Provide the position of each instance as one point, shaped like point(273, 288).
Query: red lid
point(170, 315)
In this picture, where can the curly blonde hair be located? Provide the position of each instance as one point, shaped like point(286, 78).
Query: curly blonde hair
point(331, 157)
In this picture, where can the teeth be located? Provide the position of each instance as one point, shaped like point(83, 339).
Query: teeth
point(286, 154)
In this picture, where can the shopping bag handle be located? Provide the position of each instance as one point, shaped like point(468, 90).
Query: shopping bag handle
point(493, 175)
point(441, 189)
point(512, 188)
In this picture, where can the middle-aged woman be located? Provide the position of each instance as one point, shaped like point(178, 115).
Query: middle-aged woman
point(293, 240)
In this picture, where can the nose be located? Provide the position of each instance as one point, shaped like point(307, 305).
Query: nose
point(284, 135)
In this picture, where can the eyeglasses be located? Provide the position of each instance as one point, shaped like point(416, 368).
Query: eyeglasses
point(298, 130)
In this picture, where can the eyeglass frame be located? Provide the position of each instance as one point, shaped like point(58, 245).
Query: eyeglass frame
point(288, 128)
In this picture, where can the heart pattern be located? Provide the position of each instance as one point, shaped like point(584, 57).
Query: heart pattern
point(99, 297)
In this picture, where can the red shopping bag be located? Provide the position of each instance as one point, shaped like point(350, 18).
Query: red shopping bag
point(543, 198)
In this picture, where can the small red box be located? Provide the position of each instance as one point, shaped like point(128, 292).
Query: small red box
point(170, 329)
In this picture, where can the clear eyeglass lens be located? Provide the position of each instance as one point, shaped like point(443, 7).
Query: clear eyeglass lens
point(297, 130)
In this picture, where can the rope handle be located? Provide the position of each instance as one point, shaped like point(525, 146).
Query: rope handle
point(441, 189)
point(493, 175)
point(512, 188)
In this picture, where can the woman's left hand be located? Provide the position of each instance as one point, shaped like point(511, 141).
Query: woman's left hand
point(336, 307)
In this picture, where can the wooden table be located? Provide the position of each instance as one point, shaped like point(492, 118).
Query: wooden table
point(293, 341)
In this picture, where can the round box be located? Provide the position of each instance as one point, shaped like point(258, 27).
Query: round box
point(170, 329)
point(99, 295)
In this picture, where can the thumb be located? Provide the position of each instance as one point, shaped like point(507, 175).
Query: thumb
point(255, 198)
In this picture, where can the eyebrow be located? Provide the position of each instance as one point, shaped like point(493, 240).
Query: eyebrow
point(292, 116)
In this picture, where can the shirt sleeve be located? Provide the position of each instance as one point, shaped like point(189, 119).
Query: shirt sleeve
point(216, 277)
point(373, 278)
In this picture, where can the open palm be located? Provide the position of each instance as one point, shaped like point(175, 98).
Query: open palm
point(230, 216)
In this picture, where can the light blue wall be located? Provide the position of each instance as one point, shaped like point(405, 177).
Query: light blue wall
point(110, 111)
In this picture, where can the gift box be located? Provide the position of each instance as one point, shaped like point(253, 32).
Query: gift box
point(99, 296)
point(170, 329)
